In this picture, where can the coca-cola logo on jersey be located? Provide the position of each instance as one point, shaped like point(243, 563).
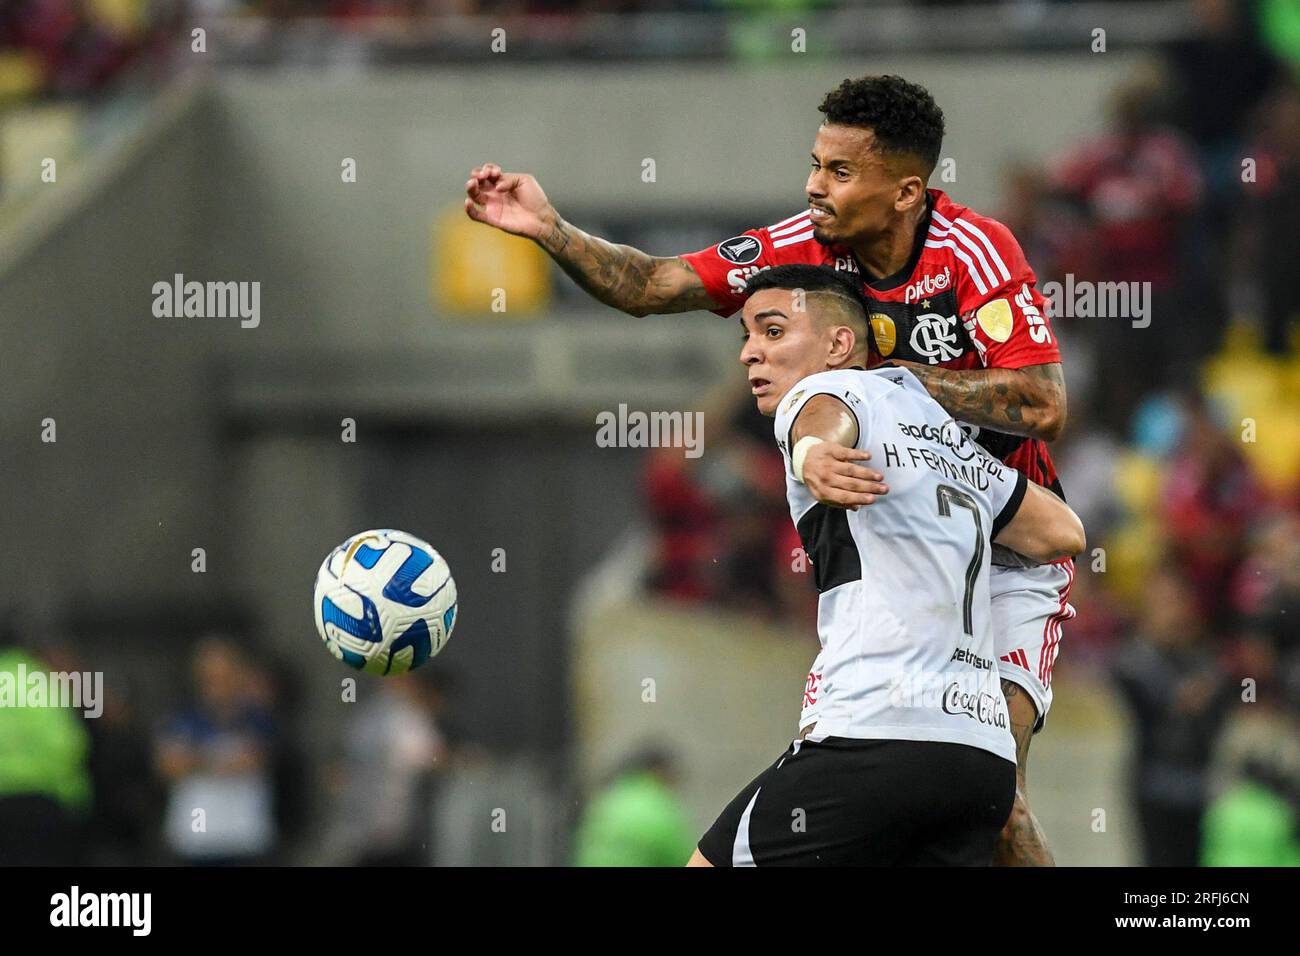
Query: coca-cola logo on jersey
point(977, 706)
point(928, 285)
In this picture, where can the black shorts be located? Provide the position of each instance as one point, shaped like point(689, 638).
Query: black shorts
point(868, 803)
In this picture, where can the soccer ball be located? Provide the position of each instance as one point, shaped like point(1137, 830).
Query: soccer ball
point(385, 602)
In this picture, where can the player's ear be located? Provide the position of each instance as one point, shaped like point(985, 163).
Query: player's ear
point(843, 342)
point(911, 191)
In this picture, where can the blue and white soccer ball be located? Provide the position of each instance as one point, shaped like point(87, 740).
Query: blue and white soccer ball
point(385, 602)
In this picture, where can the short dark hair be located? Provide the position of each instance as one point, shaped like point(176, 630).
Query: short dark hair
point(810, 278)
point(903, 116)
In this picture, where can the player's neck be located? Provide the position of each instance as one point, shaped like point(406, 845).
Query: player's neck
point(885, 254)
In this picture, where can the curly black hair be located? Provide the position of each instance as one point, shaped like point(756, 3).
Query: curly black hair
point(904, 116)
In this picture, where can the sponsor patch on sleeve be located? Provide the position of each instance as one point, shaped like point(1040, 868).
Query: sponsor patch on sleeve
point(741, 250)
point(995, 318)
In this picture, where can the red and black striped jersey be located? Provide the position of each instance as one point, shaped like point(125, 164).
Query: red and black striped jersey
point(966, 299)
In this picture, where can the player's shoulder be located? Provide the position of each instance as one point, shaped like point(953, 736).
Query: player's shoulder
point(952, 218)
point(856, 387)
point(791, 240)
point(975, 246)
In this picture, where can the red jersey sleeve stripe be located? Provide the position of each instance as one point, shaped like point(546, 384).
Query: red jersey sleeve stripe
point(786, 222)
point(952, 232)
point(970, 266)
point(968, 226)
point(792, 225)
point(789, 240)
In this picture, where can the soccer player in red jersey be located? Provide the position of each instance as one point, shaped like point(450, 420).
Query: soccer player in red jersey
point(952, 298)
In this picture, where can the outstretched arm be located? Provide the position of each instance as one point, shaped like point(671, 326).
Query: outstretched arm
point(619, 276)
point(623, 277)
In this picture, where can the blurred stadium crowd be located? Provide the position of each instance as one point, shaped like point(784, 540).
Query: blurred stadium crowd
point(76, 47)
point(1182, 456)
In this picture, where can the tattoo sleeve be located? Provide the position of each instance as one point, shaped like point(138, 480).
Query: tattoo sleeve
point(1019, 401)
point(1023, 842)
point(624, 277)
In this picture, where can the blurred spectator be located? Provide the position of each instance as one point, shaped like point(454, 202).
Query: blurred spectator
point(1270, 591)
point(128, 801)
point(1279, 22)
point(1267, 597)
point(719, 518)
point(1219, 74)
point(45, 785)
point(1094, 633)
point(1179, 701)
point(294, 807)
point(79, 51)
point(1088, 457)
point(217, 758)
point(686, 527)
point(1209, 501)
point(392, 746)
point(1269, 205)
point(1050, 232)
point(1139, 188)
point(1253, 823)
point(1138, 185)
point(637, 819)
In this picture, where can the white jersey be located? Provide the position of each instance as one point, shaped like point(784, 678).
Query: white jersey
point(903, 613)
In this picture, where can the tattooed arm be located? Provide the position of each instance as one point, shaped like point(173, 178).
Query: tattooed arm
point(619, 276)
point(1019, 401)
point(624, 277)
point(1023, 842)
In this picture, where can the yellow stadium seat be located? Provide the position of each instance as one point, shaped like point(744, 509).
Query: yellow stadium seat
point(1261, 395)
point(31, 135)
point(1133, 554)
point(21, 74)
point(1138, 479)
point(480, 272)
point(126, 18)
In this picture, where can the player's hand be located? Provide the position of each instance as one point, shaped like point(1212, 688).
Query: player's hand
point(512, 202)
point(834, 476)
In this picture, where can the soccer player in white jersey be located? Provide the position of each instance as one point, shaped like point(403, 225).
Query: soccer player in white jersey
point(904, 755)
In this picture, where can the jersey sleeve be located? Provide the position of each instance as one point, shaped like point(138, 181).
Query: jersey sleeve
point(1004, 313)
point(844, 385)
point(724, 268)
point(1007, 488)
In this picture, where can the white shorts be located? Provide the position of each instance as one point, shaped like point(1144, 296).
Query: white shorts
point(1030, 605)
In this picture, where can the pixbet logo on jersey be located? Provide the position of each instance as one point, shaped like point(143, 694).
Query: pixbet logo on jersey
point(928, 285)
